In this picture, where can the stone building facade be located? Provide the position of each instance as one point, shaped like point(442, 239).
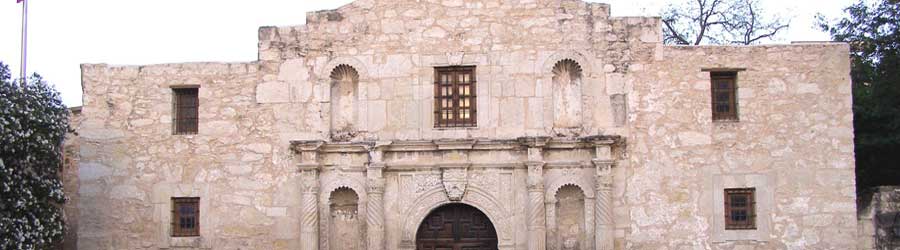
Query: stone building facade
point(579, 131)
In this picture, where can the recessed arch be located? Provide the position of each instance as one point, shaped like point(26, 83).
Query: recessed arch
point(345, 226)
point(567, 94)
point(331, 183)
point(569, 230)
point(344, 102)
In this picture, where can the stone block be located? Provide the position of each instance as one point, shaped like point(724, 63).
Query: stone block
point(273, 92)
point(293, 70)
point(261, 148)
point(239, 169)
point(223, 128)
point(535, 113)
point(276, 211)
point(615, 84)
point(123, 192)
point(93, 171)
point(513, 115)
point(377, 116)
point(808, 88)
point(690, 138)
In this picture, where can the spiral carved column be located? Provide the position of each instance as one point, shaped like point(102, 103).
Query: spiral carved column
point(375, 207)
point(309, 223)
point(603, 206)
point(537, 229)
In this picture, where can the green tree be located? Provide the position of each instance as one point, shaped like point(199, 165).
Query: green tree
point(873, 32)
point(33, 124)
point(695, 22)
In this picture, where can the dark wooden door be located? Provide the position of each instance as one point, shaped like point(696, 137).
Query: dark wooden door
point(456, 227)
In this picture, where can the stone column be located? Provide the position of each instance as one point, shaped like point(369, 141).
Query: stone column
point(308, 158)
point(604, 237)
point(537, 212)
point(309, 213)
point(375, 205)
point(552, 229)
point(537, 229)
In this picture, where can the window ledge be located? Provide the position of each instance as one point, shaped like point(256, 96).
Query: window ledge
point(455, 128)
point(185, 242)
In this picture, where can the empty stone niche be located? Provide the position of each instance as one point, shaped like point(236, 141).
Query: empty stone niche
point(569, 228)
point(567, 80)
point(345, 229)
point(344, 101)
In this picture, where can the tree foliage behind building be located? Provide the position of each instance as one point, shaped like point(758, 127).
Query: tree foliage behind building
point(33, 124)
point(695, 22)
point(873, 32)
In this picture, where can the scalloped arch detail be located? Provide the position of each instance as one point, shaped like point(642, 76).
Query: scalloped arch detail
point(554, 187)
point(344, 72)
point(335, 184)
point(334, 64)
point(582, 58)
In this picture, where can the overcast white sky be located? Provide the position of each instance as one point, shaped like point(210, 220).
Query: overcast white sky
point(65, 33)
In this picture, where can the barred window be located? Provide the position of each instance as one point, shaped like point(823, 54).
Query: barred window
point(186, 103)
point(724, 98)
point(454, 97)
point(740, 208)
point(185, 216)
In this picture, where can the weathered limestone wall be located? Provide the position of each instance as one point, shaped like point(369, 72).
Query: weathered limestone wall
point(515, 45)
point(794, 143)
point(533, 57)
point(132, 164)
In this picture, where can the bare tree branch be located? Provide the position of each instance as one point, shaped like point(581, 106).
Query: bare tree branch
point(696, 22)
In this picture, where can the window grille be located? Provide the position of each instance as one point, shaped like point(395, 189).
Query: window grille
point(740, 208)
point(724, 98)
point(186, 104)
point(185, 216)
point(454, 97)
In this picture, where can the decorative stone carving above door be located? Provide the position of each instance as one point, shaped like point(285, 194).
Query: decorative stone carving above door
point(454, 180)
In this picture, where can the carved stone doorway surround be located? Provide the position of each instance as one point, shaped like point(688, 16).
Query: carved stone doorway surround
point(310, 154)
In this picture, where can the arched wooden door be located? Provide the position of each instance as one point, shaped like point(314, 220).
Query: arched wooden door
point(456, 227)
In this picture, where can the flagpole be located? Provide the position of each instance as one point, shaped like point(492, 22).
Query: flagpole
point(23, 70)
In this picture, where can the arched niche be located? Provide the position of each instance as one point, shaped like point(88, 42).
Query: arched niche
point(566, 94)
point(345, 227)
point(344, 102)
point(569, 230)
